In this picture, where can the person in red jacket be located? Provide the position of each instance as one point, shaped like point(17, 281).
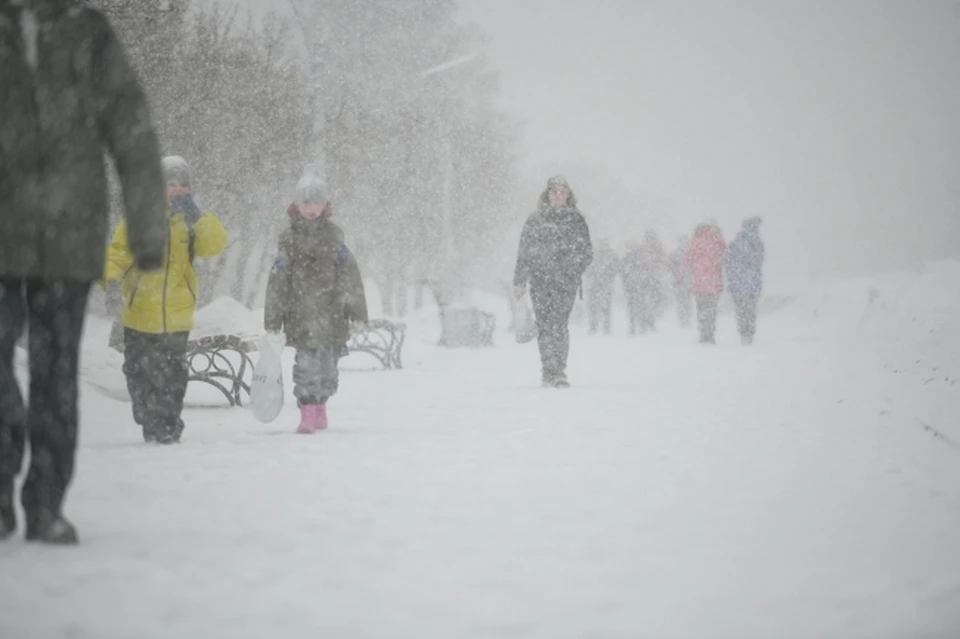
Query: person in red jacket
point(703, 266)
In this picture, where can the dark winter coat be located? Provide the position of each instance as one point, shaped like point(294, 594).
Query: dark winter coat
point(680, 278)
point(636, 272)
point(315, 289)
point(59, 110)
point(555, 247)
point(602, 273)
point(744, 263)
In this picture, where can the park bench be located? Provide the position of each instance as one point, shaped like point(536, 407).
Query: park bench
point(223, 361)
point(461, 325)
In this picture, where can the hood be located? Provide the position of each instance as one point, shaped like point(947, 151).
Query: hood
point(544, 203)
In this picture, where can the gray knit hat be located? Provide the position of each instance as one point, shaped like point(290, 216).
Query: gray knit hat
point(311, 188)
point(176, 169)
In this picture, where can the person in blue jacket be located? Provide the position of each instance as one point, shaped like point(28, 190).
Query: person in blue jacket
point(744, 266)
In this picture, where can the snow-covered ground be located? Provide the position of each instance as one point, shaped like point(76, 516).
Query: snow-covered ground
point(795, 489)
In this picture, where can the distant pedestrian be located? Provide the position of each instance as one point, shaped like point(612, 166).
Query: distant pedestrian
point(704, 265)
point(744, 264)
point(555, 251)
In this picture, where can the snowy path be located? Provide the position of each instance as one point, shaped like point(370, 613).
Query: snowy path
point(675, 491)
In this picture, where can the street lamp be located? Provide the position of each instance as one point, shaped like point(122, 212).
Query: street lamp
point(446, 137)
point(312, 26)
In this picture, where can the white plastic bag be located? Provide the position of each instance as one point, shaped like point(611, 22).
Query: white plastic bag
point(525, 324)
point(266, 389)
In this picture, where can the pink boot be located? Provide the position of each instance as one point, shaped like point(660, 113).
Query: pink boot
point(308, 419)
point(320, 416)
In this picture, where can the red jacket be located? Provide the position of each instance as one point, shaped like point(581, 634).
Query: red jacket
point(703, 262)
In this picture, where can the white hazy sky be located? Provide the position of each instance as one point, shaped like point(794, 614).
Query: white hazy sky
point(837, 121)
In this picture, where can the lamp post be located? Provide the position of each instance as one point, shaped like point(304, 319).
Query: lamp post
point(312, 27)
point(446, 142)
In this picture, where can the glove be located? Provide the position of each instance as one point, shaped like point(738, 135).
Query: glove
point(149, 261)
point(185, 205)
point(519, 291)
point(357, 326)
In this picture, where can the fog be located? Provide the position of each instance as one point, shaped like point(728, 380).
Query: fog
point(836, 122)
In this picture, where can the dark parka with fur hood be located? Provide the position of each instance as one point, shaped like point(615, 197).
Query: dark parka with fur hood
point(315, 289)
point(555, 247)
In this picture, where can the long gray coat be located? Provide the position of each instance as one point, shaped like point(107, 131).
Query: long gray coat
point(66, 95)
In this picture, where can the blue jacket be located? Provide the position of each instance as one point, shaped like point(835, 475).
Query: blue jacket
point(744, 264)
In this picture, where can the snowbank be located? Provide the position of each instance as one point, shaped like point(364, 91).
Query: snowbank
point(915, 313)
point(227, 316)
point(908, 323)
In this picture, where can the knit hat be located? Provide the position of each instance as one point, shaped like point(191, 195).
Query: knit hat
point(176, 169)
point(311, 188)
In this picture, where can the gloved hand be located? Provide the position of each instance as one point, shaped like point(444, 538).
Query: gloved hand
point(185, 205)
point(519, 291)
point(149, 261)
point(357, 326)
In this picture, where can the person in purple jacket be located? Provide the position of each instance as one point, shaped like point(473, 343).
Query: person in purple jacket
point(744, 266)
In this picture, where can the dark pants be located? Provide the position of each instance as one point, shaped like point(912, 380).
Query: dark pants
point(600, 311)
point(634, 311)
point(54, 310)
point(552, 304)
point(156, 369)
point(746, 308)
point(316, 377)
point(684, 304)
point(707, 316)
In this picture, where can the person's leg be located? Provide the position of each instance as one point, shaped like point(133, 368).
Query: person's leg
point(13, 416)
point(544, 309)
point(608, 314)
point(328, 382)
point(633, 311)
point(139, 365)
point(684, 306)
point(712, 303)
point(593, 312)
point(751, 305)
point(703, 317)
point(170, 384)
point(56, 313)
point(566, 298)
point(316, 378)
point(739, 306)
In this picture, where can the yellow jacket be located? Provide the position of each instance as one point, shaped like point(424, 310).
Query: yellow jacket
point(163, 301)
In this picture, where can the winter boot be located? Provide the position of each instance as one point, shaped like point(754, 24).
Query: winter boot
point(49, 529)
point(308, 419)
point(167, 435)
point(320, 416)
point(560, 381)
point(149, 436)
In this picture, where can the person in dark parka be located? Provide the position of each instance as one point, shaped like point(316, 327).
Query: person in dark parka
point(315, 295)
point(555, 250)
point(600, 279)
point(67, 94)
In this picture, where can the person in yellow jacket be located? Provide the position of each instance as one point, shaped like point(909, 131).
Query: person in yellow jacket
point(158, 307)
